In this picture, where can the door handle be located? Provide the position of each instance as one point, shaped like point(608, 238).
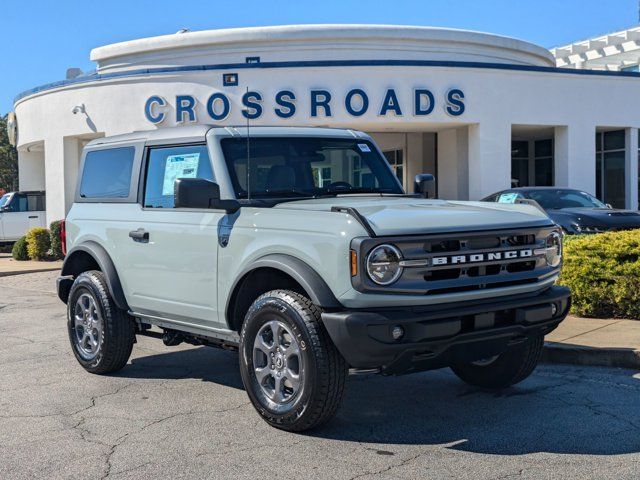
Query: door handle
point(33, 216)
point(139, 235)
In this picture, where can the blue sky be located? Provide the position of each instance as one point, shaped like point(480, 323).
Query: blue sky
point(41, 39)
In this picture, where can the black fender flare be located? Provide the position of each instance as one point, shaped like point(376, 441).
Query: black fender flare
point(102, 258)
point(311, 282)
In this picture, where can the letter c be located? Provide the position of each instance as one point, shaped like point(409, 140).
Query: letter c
point(158, 102)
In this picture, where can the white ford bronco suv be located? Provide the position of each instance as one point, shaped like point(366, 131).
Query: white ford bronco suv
point(299, 248)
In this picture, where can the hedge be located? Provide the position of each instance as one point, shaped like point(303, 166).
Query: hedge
point(19, 250)
point(56, 244)
point(603, 273)
point(38, 243)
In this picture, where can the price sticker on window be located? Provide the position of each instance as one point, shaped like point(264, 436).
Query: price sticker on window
point(179, 166)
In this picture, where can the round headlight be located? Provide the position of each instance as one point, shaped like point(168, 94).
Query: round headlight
point(383, 264)
point(553, 254)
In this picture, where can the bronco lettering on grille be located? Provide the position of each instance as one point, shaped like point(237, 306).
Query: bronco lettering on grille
point(481, 257)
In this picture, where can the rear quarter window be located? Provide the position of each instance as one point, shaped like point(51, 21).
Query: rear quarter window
point(107, 173)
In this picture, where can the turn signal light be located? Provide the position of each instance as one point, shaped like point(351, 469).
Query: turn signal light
point(354, 263)
point(63, 237)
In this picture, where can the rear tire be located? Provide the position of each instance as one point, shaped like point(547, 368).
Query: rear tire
point(506, 369)
point(292, 372)
point(101, 334)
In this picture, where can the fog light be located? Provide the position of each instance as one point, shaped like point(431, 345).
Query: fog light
point(554, 309)
point(397, 332)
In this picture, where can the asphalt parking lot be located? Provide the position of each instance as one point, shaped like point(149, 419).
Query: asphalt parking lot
point(181, 412)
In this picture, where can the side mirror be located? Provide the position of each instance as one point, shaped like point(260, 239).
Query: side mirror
point(425, 185)
point(201, 193)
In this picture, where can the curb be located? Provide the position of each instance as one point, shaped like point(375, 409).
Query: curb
point(35, 270)
point(590, 356)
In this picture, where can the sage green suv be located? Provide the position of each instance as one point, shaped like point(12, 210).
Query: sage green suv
point(299, 248)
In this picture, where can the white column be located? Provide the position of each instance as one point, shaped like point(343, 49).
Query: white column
point(448, 165)
point(54, 178)
point(453, 164)
point(31, 168)
point(631, 168)
point(489, 158)
point(72, 152)
point(574, 157)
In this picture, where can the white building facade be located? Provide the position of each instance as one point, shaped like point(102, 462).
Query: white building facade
point(481, 112)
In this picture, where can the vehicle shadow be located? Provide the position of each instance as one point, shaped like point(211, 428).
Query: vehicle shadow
point(204, 363)
point(560, 409)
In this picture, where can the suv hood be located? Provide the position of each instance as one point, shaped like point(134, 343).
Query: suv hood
point(389, 215)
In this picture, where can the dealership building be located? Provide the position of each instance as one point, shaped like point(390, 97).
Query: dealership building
point(480, 111)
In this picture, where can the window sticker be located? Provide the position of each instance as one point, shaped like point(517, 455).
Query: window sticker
point(364, 147)
point(508, 198)
point(179, 166)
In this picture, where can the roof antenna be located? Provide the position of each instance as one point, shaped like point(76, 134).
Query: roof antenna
point(248, 154)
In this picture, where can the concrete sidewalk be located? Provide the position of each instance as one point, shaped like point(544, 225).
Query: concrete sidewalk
point(592, 341)
point(9, 266)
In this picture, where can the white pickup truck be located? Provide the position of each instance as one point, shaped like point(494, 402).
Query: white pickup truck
point(19, 212)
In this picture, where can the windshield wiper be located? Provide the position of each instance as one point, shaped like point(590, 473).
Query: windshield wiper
point(340, 191)
point(281, 193)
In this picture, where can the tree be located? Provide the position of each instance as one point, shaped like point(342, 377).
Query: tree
point(8, 160)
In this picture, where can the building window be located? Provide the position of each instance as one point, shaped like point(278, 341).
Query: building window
point(395, 159)
point(532, 163)
point(520, 163)
point(543, 160)
point(610, 184)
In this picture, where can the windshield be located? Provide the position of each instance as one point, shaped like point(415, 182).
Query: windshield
point(307, 167)
point(559, 199)
point(4, 199)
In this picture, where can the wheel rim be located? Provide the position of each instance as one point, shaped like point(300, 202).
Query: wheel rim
point(88, 326)
point(485, 361)
point(278, 364)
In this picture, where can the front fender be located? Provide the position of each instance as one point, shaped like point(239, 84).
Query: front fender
point(312, 283)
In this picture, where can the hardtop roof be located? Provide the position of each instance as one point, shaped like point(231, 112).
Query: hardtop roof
point(193, 131)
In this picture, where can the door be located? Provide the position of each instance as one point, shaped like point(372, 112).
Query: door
point(36, 208)
point(171, 267)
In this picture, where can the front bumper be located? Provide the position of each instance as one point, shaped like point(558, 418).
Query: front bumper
point(438, 335)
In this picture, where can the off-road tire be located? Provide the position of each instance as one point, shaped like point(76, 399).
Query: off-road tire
point(507, 369)
point(324, 379)
point(118, 330)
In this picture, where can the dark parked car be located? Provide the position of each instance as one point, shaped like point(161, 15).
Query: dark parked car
point(574, 210)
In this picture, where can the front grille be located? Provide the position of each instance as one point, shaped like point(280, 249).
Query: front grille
point(453, 263)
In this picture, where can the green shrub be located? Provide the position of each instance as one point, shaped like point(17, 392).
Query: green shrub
point(38, 243)
point(19, 250)
point(56, 244)
point(603, 273)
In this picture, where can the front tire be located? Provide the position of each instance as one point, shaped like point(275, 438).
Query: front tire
point(504, 370)
point(292, 372)
point(101, 334)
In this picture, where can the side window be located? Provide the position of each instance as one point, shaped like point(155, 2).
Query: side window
point(166, 164)
point(19, 203)
point(35, 202)
point(107, 173)
point(510, 197)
